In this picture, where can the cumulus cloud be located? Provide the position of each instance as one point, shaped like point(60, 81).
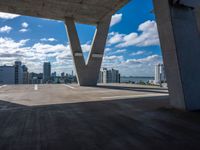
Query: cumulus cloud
point(25, 25)
point(86, 47)
point(48, 39)
point(115, 37)
point(152, 58)
point(8, 15)
point(116, 19)
point(23, 30)
point(5, 29)
point(119, 51)
point(133, 67)
point(34, 55)
point(138, 53)
point(147, 36)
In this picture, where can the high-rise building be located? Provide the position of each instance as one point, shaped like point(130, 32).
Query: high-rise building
point(109, 76)
point(18, 72)
point(47, 72)
point(159, 74)
point(62, 74)
point(25, 74)
point(7, 75)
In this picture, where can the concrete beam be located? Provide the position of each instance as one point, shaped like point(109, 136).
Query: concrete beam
point(188, 3)
point(87, 73)
point(83, 11)
point(180, 43)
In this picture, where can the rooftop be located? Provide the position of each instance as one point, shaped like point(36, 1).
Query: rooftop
point(108, 117)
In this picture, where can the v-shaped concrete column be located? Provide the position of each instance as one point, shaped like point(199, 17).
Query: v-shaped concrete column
point(88, 72)
point(180, 43)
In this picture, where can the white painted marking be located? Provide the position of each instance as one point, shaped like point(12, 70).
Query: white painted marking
point(71, 87)
point(133, 96)
point(3, 86)
point(78, 54)
point(97, 55)
point(36, 87)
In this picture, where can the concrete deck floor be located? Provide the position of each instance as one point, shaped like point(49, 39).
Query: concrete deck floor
point(119, 117)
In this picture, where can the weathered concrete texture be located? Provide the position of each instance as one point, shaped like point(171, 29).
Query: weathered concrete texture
point(83, 11)
point(190, 3)
point(198, 17)
point(49, 94)
point(129, 124)
point(88, 72)
point(180, 42)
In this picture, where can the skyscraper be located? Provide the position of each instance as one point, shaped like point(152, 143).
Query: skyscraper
point(18, 72)
point(25, 74)
point(46, 72)
point(159, 74)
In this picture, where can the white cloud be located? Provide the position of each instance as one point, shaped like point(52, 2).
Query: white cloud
point(8, 44)
point(33, 56)
point(147, 59)
point(23, 30)
point(138, 53)
point(25, 25)
point(115, 37)
point(147, 36)
point(116, 19)
point(48, 39)
point(86, 47)
point(133, 67)
point(119, 51)
point(8, 16)
point(107, 49)
point(61, 58)
point(5, 29)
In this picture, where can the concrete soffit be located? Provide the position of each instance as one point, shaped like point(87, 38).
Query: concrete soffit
point(187, 3)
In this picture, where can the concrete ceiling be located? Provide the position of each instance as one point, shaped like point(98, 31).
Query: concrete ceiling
point(83, 11)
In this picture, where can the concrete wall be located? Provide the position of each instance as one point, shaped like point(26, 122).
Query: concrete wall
point(180, 42)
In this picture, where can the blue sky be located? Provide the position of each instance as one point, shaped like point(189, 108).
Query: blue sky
point(132, 45)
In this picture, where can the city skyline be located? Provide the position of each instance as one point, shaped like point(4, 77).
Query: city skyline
point(132, 45)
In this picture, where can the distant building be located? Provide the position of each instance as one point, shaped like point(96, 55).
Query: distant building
point(35, 78)
point(53, 74)
point(18, 72)
point(159, 74)
point(62, 75)
point(25, 74)
point(46, 72)
point(109, 76)
point(7, 75)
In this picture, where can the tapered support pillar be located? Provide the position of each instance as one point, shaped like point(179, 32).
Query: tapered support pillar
point(180, 43)
point(88, 72)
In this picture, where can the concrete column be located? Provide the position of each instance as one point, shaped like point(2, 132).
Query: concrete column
point(198, 17)
point(87, 73)
point(180, 43)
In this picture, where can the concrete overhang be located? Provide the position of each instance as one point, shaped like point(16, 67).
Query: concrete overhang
point(83, 11)
point(189, 3)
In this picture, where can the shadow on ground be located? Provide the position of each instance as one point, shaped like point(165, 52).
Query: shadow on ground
point(134, 124)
